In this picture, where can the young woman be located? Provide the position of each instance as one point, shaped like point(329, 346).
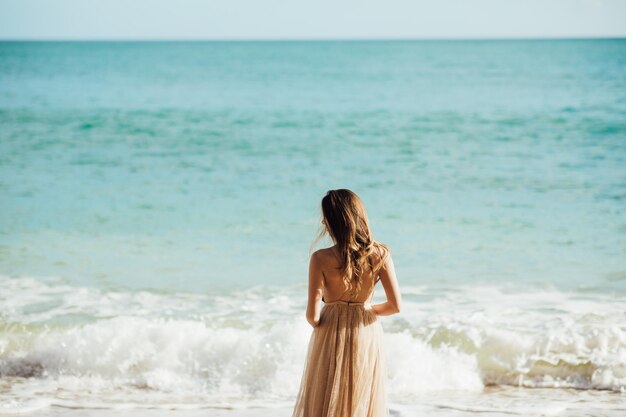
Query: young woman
point(345, 372)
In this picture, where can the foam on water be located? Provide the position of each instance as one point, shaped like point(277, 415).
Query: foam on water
point(86, 347)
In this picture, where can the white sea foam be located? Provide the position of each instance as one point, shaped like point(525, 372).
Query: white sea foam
point(87, 347)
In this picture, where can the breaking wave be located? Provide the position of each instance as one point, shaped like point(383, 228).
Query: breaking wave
point(86, 347)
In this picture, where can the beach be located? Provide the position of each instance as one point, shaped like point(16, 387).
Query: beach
point(494, 404)
point(158, 201)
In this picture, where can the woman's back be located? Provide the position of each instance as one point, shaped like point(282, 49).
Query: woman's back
point(334, 286)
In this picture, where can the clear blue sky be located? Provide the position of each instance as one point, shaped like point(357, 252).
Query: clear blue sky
point(309, 19)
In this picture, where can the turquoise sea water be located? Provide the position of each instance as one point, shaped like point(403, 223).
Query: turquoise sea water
point(155, 190)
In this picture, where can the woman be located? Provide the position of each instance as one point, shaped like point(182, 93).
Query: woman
point(345, 372)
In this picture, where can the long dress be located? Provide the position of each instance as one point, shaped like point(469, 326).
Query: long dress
point(345, 369)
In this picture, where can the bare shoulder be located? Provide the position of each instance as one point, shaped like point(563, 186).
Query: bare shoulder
point(325, 258)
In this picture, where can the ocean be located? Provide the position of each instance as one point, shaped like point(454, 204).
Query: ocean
point(158, 201)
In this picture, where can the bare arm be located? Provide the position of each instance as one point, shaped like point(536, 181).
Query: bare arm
point(392, 291)
point(316, 284)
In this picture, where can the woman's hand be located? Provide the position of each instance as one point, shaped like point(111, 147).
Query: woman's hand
point(392, 291)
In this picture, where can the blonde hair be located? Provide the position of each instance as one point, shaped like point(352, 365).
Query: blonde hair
point(347, 224)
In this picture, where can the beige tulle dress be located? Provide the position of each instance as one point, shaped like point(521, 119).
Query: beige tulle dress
point(345, 371)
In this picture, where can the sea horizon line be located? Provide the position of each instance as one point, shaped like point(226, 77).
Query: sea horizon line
point(305, 40)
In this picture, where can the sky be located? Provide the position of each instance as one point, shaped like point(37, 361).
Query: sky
point(310, 19)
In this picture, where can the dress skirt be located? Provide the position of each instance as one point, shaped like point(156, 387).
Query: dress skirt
point(345, 371)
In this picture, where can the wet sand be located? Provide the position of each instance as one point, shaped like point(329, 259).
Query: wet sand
point(493, 402)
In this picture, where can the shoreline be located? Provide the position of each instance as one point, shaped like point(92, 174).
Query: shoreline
point(493, 401)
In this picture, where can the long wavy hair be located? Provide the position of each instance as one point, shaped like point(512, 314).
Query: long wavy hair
point(347, 224)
